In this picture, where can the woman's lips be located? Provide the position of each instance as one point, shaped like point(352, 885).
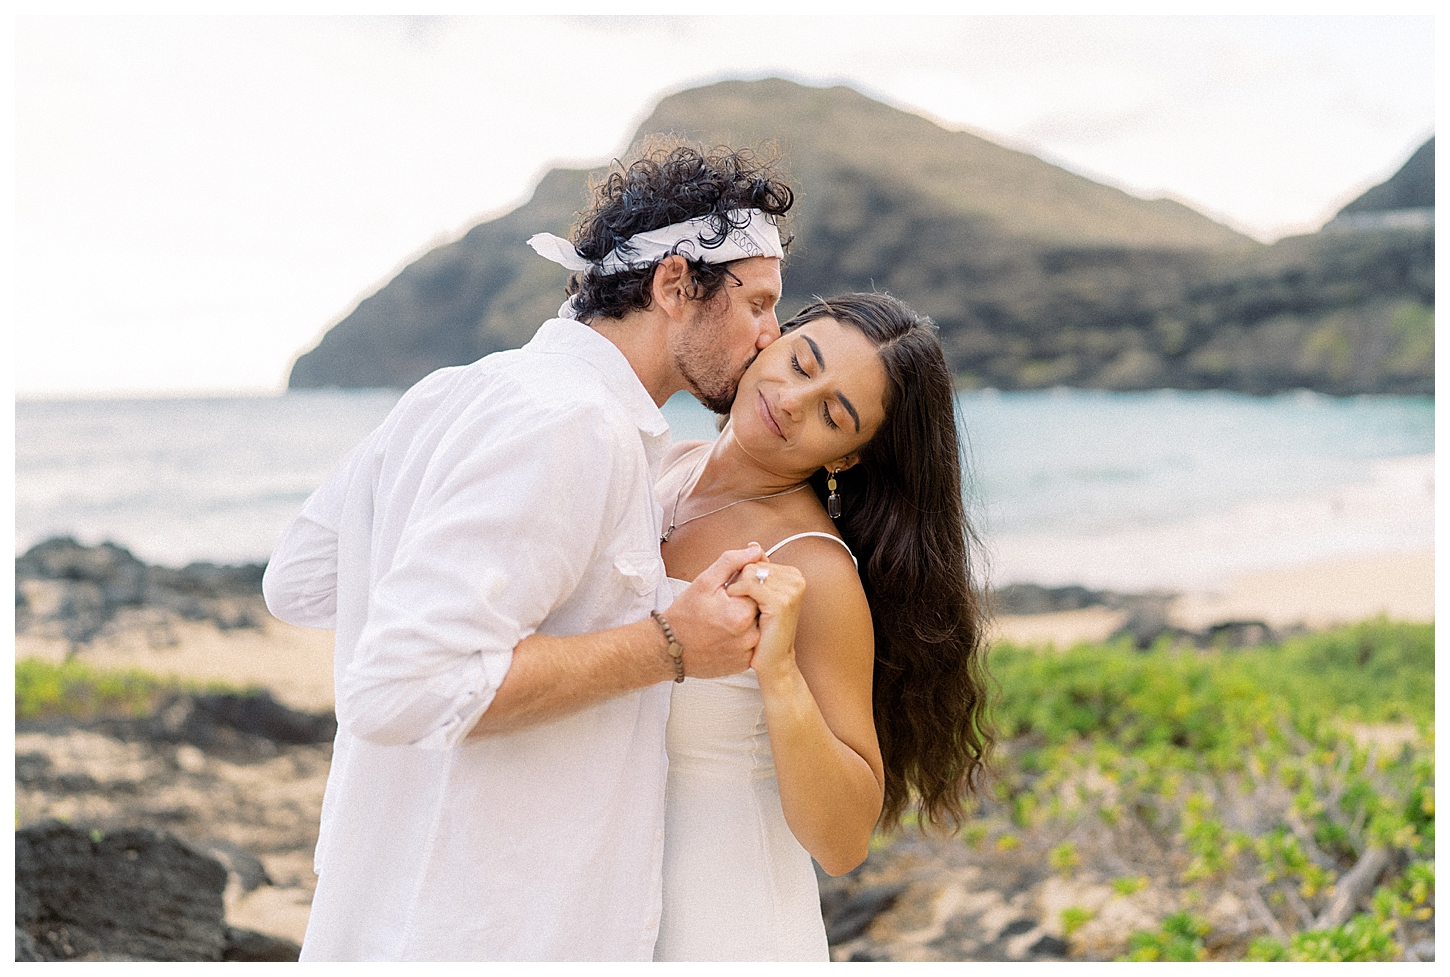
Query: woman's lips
point(767, 416)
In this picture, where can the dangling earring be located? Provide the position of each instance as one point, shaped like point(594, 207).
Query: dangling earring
point(833, 501)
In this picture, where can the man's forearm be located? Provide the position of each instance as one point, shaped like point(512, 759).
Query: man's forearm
point(551, 677)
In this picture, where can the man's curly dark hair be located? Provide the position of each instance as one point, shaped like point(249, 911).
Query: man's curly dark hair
point(668, 183)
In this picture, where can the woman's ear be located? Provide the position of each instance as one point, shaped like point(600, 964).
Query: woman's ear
point(844, 462)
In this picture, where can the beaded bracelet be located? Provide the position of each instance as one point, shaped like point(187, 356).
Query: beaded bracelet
point(676, 649)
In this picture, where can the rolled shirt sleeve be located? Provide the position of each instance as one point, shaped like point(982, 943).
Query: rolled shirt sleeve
point(505, 515)
point(300, 582)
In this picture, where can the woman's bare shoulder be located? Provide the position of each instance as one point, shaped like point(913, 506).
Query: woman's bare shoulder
point(835, 640)
point(829, 567)
point(812, 546)
point(800, 528)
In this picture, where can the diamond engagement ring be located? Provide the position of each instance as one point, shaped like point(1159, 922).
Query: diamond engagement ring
point(762, 574)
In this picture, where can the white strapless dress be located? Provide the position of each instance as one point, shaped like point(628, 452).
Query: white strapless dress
point(737, 884)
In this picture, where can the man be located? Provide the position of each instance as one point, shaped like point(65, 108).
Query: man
point(489, 558)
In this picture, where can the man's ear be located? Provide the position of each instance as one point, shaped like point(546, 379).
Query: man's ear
point(671, 286)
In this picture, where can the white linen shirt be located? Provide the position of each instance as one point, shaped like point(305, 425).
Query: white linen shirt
point(512, 495)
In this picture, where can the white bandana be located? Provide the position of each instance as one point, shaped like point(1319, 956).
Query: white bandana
point(758, 238)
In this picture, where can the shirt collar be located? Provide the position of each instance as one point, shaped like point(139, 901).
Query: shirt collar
point(574, 338)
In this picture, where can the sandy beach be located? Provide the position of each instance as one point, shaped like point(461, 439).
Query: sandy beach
point(1401, 586)
point(294, 664)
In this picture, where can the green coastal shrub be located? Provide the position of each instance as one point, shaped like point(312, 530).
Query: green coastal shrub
point(1209, 702)
point(1179, 940)
point(73, 690)
point(1265, 771)
point(1075, 918)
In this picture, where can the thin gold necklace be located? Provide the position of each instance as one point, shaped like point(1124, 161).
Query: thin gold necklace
point(665, 537)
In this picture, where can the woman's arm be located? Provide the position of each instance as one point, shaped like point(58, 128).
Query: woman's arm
point(814, 664)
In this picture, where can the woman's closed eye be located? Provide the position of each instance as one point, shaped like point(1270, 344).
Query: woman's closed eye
point(795, 364)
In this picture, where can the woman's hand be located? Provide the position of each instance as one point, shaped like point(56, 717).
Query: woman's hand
point(815, 684)
point(777, 588)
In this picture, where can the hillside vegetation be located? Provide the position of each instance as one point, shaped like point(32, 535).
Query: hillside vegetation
point(1267, 804)
point(1037, 276)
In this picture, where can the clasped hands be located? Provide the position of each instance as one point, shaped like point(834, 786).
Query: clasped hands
point(739, 613)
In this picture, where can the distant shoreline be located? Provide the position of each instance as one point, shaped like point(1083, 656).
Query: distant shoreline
point(1094, 488)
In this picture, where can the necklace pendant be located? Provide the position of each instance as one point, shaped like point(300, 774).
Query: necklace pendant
point(665, 538)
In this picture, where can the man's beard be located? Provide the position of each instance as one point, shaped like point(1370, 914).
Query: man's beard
point(715, 392)
point(700, 360)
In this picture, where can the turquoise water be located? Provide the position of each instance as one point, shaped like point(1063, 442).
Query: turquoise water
point(1077, 458)
point(1063, 485)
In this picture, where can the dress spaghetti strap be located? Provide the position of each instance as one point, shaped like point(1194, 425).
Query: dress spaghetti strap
point(797, 536)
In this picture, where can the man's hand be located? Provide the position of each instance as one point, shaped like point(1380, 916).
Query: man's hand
point(718, 632)
point(551, 677)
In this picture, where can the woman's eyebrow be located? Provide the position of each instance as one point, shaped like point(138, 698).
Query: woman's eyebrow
point(815, 351)
point(845, 401)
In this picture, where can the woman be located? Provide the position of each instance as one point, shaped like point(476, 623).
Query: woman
point(866, 698)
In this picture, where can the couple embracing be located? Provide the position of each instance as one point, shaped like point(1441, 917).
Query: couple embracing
point(604, 697)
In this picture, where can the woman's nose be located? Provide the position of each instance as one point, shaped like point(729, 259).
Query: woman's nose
point(793, 397)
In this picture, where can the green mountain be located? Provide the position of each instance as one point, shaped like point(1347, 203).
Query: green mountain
point(1412, 186)
point(1037, 276)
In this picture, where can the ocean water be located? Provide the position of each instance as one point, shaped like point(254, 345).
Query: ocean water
point(1167, 489)
point(1183, 490)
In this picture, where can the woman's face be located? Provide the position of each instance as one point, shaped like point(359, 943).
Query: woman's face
point(810, 399)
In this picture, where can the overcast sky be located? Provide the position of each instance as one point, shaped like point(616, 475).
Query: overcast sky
point(199, 198)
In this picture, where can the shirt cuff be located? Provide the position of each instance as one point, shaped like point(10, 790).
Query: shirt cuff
point(488, 671)
point(432, 712)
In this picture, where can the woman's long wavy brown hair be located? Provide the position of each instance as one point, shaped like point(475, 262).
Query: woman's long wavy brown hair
point(902, 514)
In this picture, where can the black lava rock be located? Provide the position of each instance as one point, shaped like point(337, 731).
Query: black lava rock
point(251, 946)
point(853, 914)
point(127, 895)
